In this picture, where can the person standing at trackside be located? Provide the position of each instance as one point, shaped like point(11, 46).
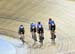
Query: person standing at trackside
point(52, 28)
point(33, 32)
point(40, 31)
point(21, 33)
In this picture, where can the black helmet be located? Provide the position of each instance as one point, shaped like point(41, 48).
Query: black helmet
point(21, 25)
point(39, 22)
point(50, 19)
point(31, 23)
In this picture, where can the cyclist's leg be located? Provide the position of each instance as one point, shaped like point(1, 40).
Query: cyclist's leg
point(41, 38)
point(22, 38)
point(54, 36)
point(34, 37)
point(51, 34)
point(42, 35)
point(50, 28)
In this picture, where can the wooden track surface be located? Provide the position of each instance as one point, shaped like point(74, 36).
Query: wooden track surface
point(16, 12)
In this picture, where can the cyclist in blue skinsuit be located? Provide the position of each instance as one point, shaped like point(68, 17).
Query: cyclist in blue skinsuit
point(40, 31)
point(33, 27)
point(33, 32)
point(52, 27)
point(21, 33)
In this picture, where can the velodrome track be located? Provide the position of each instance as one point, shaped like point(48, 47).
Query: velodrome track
point(16, 12)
